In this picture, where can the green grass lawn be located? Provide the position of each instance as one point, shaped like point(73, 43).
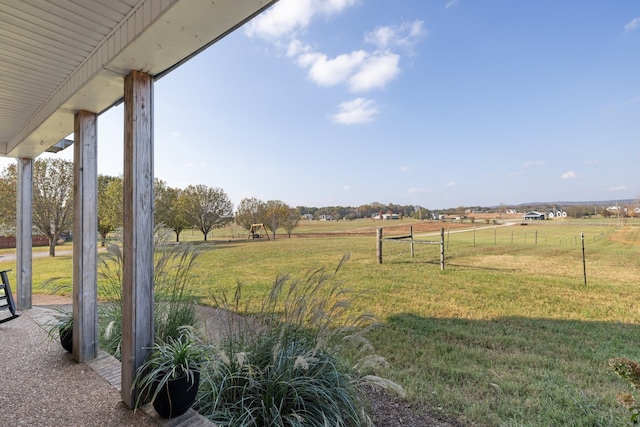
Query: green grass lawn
point(507, 335)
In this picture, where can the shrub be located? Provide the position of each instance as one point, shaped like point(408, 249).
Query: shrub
point(630, 371)
point(169, 360)
point(174, 306)
point(287, 363)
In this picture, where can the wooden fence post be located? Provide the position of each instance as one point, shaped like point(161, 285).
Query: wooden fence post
point(411, 234)
point(379, 244)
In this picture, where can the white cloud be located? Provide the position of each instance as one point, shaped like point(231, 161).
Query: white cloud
point(534, 163)
point(346, 188)
point(451, 184)
point(330, 72)
point(290, 16)
point(405, 35)
point(375, 72)
point(633, 24)
point(417, 190)
point(617, 188)
point(360, 70)
point(297, 47)
point(406, 168)
point(450, 3)
point(357, 111)
point(569, 175)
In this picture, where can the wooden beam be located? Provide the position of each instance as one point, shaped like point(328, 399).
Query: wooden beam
point(24, 244)
point(137, 284)
point(85, 231)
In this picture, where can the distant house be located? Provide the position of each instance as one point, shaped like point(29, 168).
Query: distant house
point(307, 217)
point(557, 214)
point(324, 217)
point(534, 216)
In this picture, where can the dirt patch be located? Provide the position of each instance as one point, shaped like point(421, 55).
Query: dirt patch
point(388, 410)
point(47, 300)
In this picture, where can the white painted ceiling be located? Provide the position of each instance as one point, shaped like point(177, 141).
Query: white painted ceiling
point(61, 56)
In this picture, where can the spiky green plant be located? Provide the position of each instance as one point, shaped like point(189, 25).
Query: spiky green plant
point(174, 306)
point(171, 359)
point(287, 364)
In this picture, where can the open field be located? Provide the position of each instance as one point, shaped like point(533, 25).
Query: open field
point(507, 335)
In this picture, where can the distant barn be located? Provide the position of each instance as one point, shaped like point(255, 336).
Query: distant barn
point(534, 216)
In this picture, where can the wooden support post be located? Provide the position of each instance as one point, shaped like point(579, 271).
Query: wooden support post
point(137, 284)
point(442, 248)
point(411, 234)
point(85, 231)
point(24, 243)
point(379, 244)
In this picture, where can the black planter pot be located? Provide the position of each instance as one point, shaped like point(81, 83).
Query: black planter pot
point(66, 339)
point(177, 396)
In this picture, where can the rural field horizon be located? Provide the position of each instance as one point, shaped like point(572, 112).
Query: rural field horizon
point(508, 334)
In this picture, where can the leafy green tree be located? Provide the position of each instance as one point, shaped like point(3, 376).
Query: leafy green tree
point(171, 207)
point(8, 197)
point(110, 214)
point(52, 199)
point(207, 208)
point(276, 214)
point(250, 211)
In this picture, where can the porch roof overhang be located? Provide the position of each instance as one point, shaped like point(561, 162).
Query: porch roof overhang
point(59, 57)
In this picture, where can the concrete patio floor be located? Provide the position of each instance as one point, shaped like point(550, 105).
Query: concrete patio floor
point(43, 386)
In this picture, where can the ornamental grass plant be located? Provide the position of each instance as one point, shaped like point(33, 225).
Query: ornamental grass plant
point(174, 306)
point(299, 360)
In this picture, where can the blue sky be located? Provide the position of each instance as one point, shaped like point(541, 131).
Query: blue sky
point(438, 103)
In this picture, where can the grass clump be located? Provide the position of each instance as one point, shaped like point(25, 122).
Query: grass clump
point(288, 363)
point(174, 306)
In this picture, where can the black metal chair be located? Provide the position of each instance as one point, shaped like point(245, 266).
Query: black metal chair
point(6, 298)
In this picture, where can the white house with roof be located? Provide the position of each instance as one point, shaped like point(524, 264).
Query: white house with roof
point(534, 216)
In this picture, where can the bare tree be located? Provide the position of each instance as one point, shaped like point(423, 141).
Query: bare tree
point(208, 208)
point(52, 199)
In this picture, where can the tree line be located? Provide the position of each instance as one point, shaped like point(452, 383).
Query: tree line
point(196, 206)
